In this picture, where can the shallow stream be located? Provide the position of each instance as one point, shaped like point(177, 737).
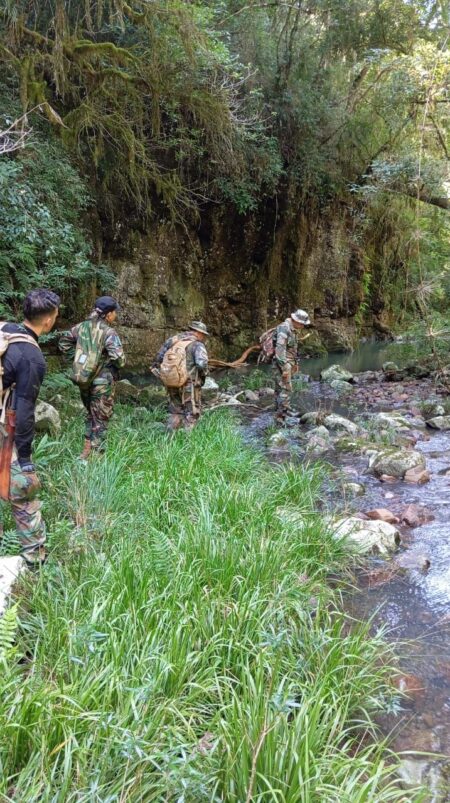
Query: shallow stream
point(412, 604)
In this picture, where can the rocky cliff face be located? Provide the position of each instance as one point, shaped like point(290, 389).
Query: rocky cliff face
point(240, 275)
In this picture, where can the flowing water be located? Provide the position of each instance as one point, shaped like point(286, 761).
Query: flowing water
point(412, 604)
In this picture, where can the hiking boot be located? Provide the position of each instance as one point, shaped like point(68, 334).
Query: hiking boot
point(86, 451)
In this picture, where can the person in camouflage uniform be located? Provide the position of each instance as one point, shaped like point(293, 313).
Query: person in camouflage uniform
point(23, 367)
point(185, 403)
point(285, 359)
point(98, 399)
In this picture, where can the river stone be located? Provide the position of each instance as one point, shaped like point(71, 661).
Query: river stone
point(318, 444)
point(396, 462)
point(267, 392)
point(46, 418)
point(336, 372)
point(210, 389)
point(391, 420)
point(338, 422)
point(382, 514)
point(278, 439)
point(439, 422)
point(320, 432)
point(340, 386)
point(354, 488)
point(251, 396)
point(377, 537)
point(417, 475)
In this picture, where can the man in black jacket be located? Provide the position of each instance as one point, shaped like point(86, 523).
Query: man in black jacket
point(23, 371)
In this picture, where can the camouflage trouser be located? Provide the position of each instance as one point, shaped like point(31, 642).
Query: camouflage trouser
point(26, 510)
point(184, 405)
point(283, 388)
point(99, 404)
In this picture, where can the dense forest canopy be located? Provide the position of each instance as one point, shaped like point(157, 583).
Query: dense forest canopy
point(168, 106)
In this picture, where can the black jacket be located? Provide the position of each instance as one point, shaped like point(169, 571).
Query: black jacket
point(25, 365)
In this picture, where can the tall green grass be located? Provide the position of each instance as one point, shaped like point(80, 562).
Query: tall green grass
point(182, 643)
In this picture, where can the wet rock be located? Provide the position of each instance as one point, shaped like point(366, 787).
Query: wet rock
point(417, 476)
point(125, 391)
point(411, 685)
point(391, 420)
point(388, 478)
point(339, 423)
point(441, 422)
point(279, 439)
point(47, 418)
point(377, 537)
point(413, 560)
point(415, 515)
point(396, 462)
point(336, 372)
point(354, 488)
point(251, 396)
point(383, 514)
point(341, 387)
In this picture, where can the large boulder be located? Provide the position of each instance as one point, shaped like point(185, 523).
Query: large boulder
point(336, 372)
point(377, 537)
point(46, 418)
point(439, 422)
point(396, 462)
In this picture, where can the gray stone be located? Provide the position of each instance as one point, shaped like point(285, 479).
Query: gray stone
point(339, 423)
point(336, 372)
point(317, 445)
point(391, 420)
point(278, 439)
point(377, 537)
point(396, 462)
point(267, 392)
point(439, 422)
point(354, 489)
point(251, 396)
point(320, 432)
point(210, 384)
point(47, 419)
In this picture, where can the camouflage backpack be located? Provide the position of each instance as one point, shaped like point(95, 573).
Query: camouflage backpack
point(173, 369)
point(88, 352)
point(267, 344)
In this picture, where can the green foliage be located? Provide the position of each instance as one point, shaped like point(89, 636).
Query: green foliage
point(8, 630)
point(176, 654)
point(42, 240)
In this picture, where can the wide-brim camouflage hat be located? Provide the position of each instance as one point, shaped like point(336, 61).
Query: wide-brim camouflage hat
point(199, 326)
point(301, 316)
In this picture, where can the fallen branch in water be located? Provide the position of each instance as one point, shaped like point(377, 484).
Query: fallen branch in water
point(236, 363)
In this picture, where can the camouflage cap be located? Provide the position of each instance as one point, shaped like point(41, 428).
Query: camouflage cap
point(199, 326)
point(300, 316)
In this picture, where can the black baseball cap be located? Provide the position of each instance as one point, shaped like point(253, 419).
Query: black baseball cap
point(106, 304)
